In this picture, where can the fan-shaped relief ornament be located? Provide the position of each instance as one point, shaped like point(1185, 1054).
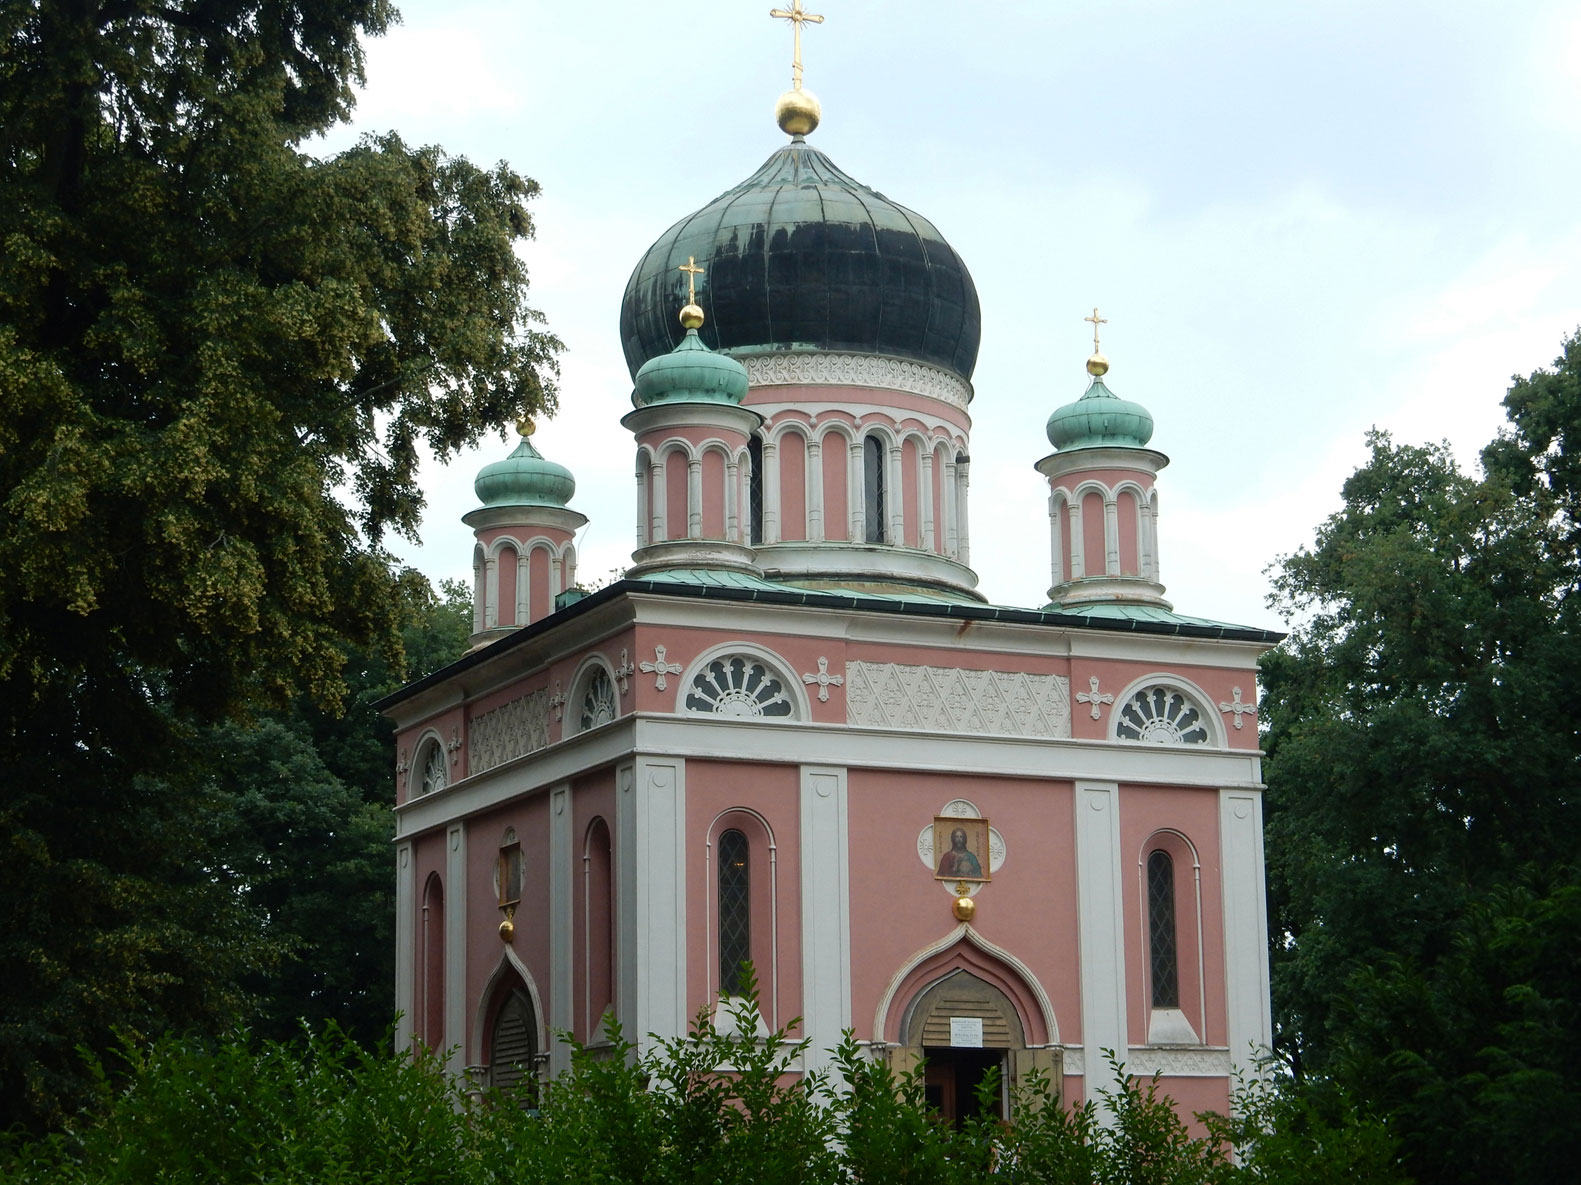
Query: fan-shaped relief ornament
point(741, 686)
point(1161, 715)
point(435, 769)
point(598, 701)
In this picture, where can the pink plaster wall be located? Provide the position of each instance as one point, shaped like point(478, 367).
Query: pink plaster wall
point(1194, 813)
point(836, 504)
point(525, 532)
point(911, 492)
point(897, 908)
point(1108, 477)
point(793, 487)
point(1130, 552)
point(1194, 1095)
point(763, 802)
point(713, 494)
point(506, 566)
point(675, 504)
point(940, 459)
point(1092, 534)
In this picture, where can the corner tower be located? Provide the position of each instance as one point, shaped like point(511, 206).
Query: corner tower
point(1103, 508)
point(858, 327)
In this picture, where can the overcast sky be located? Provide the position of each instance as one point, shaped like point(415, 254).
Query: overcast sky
point(1301, 220)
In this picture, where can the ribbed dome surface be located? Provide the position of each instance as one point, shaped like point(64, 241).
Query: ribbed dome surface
point(1098, 418)
point(800, 255)
point(524, 478)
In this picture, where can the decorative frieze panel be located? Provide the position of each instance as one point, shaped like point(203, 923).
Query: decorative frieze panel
point(856, 370)
point(509, 731)
point(947, 699)
point(1200, 1062)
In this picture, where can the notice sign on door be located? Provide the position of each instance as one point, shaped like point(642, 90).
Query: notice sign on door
point(966, 1032)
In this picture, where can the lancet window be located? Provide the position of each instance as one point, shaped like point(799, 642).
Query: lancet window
point(735, 910)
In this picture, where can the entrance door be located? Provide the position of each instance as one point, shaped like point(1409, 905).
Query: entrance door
point(951, 1078)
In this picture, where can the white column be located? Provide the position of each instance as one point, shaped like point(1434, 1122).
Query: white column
point(732, 502)
point(1056, 564)
point(771, 491)
point(642, 507)
point(1245, 927)
point(952, 540)
point(925, 476)
point(523, 588)
point(1102, 928)
point(814, 491)
point(405, 925)
point(479, 597)
point(825, 911)
point(623, 840)
point(694, 498)
point(660, 530)
point(652, 859)
point(895, 497)
point(456, 948)
point(1152, 516)
point(562, 882)
point(1078, 551)
point(963, 473)
point(855, 488)
point(1111, 536)
point(491, 594)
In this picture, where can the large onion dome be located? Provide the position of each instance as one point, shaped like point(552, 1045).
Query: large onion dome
point(524, 478)
point(801, 256)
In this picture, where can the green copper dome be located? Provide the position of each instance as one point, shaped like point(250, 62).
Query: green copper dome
point(1100, 418)
point(691, 373)
point(524, 479)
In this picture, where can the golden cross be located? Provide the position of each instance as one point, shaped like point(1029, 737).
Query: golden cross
point(692, 272)
point(796, 16)
point(1096, 321)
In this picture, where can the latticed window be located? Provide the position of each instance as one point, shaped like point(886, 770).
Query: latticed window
point(735, 911)
point(1160, 715)
point(1162, 948)
point(738, 685)
point(434, 769)
point(755, 490)
point(873, 488)
point(598, 701)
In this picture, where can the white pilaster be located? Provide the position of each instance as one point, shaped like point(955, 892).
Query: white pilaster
point(895, 496)
point(1111, 536)
point(405, 925)
point(1102, 926)
point(456, 947)
point(963, 474)
point(657, 817)
point(1078, 557)
point(925, 476)
point(491, 595)
point(523, 588)
point(624, 841)
point(952, 541)
point(854, 491)
point(562, 894)
point(1056, 557)
point(814, 490)
point(643, 478)
point(660, 530)
point(771, 491)
point(694, 498)
point(732, 503)
point(1246, 985)
point(825, 910)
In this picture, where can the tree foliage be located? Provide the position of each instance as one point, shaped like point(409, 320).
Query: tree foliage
point(220, 357)
point(1423, 803)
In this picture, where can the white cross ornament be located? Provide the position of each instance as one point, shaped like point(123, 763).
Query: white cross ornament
point(659, 668)
point(557, 701)
point(1238, 707)
point(823, 679)
point(1094, 698)
point(625, 670)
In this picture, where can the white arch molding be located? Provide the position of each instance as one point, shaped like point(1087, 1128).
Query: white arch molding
point(965, 933)
point(1147, 848)
point(795, 691)
point(711, 889)
point(509, 961)
point(581, 678)
point(1206, 707)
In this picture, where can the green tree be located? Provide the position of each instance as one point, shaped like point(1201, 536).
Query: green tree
point(219, 359)
point(1423, 803)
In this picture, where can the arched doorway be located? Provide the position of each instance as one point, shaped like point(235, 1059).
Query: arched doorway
point(513, 1043)
point(963, 1028)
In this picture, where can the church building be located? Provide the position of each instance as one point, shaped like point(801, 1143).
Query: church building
point(794, 733)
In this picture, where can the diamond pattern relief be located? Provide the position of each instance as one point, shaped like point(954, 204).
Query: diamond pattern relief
point(949, 699)
point(509, 731)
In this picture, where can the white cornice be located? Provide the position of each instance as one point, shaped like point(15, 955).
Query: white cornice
point(806, 369)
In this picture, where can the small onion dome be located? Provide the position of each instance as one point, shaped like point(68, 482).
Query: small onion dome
point(524, 478)
point(1099, 418)
point(691, 373)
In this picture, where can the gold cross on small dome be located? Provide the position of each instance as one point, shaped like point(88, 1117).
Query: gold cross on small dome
point(797, 17)
point(1096, 321)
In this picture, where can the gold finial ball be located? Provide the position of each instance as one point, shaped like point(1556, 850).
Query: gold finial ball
point(507, 930)
point(964, 909)
point(691, 317)
point(797, 112)
point(1097, 366)
point(525, 426)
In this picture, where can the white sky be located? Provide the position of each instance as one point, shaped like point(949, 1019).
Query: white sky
point(1301, 220)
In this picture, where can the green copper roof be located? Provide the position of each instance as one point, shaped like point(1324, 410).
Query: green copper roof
point(524, 478)
point(1099, 418)
point(691, 373)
